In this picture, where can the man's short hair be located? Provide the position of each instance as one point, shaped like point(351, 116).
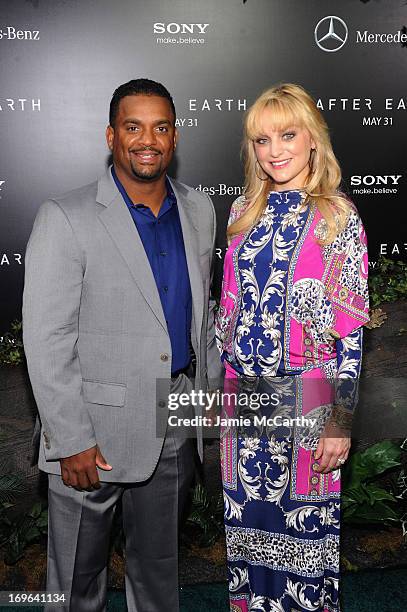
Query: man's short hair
point(138, 87)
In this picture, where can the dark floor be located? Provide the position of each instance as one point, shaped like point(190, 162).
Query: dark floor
point(367, 591)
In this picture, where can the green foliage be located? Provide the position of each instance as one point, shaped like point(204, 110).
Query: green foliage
point(23, 532)
point(387, 282)
point(10, 485)
point(364, 499)
point(207, 514)
point(11, 345)
point(17, 534)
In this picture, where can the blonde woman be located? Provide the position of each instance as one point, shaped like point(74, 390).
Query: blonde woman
point(294, 300)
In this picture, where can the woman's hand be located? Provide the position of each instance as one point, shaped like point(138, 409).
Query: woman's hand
point(332, 451)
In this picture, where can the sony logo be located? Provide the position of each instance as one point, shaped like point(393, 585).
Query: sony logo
point(388, 179)
point(180, 28)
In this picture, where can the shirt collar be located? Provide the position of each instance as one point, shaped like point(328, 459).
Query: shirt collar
point(170, 199)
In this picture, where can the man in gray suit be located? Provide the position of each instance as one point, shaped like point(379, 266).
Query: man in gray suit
point(116, 292)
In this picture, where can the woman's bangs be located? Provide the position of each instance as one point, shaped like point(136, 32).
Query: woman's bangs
point(283, 114)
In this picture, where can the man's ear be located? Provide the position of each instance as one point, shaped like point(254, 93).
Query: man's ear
point(176, 135)
point(109, 137)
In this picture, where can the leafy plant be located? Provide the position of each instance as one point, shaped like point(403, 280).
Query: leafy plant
point(11, 345)
point(207, 514)
point(17, 533)
point(10, 485)
point(26, 530)
point(364, 499)
point(388, 282)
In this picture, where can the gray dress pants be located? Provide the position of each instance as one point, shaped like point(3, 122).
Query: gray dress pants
point(79, 529)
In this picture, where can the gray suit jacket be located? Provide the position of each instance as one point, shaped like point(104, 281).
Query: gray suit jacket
point(95, 335)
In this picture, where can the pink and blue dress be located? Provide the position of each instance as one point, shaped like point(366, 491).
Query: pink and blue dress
point(290, 321)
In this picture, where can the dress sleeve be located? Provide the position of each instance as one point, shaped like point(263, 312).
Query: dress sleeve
point(237, 209)
point(349, 359)
point(346, 276)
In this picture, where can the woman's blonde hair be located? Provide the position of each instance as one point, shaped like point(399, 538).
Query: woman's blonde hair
point(292, 106)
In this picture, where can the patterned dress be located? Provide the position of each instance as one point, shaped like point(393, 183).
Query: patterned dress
point(289, 324)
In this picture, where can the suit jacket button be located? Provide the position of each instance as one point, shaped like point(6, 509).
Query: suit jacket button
point(161, 404)
point(164, 357)
point(46, 441)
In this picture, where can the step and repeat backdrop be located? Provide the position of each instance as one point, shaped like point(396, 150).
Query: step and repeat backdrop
point(60, 61)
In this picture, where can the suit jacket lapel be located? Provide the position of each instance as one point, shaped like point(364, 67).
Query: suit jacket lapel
point(119, 224)
point(190, 231)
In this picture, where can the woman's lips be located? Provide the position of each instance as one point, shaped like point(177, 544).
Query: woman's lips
point(277, 165)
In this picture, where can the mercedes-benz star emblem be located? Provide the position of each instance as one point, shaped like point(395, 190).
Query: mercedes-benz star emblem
point(331, 33)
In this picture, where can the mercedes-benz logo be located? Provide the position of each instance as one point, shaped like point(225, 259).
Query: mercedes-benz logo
point(331, 33)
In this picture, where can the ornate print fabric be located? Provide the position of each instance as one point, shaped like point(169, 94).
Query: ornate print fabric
point(262, 262)
point(290, 319)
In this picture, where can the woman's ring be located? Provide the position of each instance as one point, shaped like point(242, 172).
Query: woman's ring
point(341, 461)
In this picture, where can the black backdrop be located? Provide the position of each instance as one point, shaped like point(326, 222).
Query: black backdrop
point(60, 61)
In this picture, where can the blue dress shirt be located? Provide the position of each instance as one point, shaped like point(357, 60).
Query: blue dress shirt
point(164, 246)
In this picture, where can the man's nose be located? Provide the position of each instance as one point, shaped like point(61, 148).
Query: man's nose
point(148, 137)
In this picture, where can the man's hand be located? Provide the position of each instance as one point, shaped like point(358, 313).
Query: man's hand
point(79, 471)
point(211, 410)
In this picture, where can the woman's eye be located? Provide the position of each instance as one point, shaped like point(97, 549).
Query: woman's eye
point(261, 141)
point(288, 135)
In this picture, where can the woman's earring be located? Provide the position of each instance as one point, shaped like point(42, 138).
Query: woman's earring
point(311, 160)
point(255, 170)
